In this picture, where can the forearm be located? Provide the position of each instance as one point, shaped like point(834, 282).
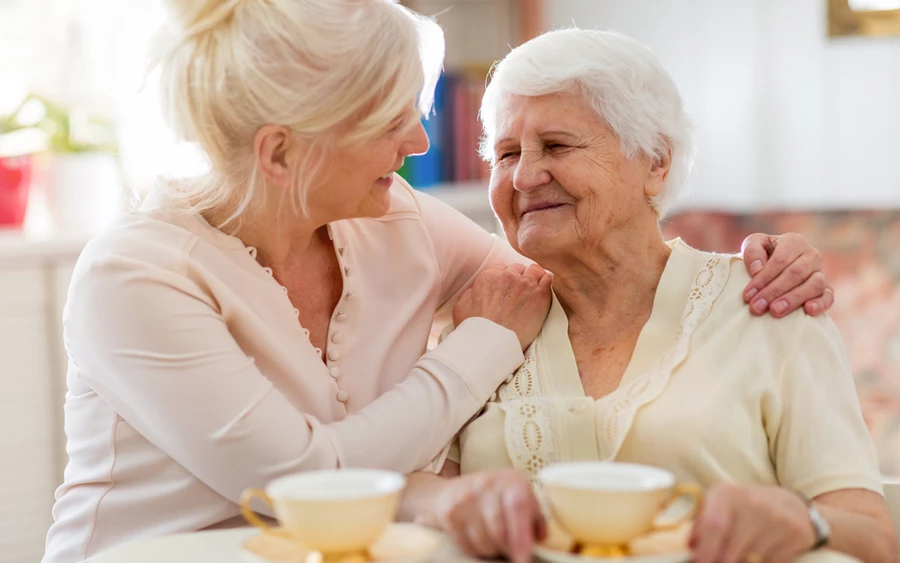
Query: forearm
point(867, 535)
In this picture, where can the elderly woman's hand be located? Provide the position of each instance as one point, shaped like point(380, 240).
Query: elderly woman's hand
point(491, 513)
point(751, 524)
point(787, 273)
point(512, 296)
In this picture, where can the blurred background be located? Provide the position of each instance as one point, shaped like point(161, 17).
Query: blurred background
point(797, 111)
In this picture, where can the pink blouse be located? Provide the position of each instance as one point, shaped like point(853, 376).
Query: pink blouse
point(190, 377)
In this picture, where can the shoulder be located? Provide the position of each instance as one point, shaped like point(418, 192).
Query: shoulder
point(730, 317)
point(136, 248)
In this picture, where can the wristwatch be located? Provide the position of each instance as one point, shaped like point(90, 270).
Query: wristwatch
point(819, 524)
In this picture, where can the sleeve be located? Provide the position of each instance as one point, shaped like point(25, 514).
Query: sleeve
point(462, 250)
point(818, 438)
point(154, 346)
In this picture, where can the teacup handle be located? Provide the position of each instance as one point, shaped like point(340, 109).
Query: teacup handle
point(685, 489)
point(249, 515)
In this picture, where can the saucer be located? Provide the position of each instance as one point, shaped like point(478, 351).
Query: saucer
point(555, 556)
point(400, 543)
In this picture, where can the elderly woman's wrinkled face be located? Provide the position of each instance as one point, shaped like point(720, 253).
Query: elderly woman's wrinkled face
point(560, 181)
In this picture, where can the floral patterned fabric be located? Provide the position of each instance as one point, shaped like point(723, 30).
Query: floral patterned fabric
point(862, 259)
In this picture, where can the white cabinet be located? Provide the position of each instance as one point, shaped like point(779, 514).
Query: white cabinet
point(32, 388)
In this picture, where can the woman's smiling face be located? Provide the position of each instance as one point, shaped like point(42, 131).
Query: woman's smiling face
point(560, 180)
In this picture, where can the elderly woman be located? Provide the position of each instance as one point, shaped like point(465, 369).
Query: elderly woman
point(647, 354)
point(273, 316)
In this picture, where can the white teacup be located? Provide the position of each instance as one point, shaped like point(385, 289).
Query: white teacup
point(332, 511)
point(610, 503)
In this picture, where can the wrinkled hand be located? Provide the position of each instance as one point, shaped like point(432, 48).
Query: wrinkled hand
point(751, 523)
point(491, 513)
point(787, 273)
point(512, 296)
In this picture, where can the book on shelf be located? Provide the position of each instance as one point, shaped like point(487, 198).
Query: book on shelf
point(454, 133)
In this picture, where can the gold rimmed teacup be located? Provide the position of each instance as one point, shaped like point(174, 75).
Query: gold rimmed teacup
point(335, 512)
point(610, 503)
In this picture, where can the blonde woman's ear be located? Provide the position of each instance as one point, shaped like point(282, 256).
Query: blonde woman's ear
point(274, 147)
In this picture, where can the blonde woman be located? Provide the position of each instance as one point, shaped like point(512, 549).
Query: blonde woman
point(273, 316)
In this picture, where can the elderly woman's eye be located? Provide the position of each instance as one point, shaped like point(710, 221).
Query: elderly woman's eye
point(552, 146)
point(505, 155)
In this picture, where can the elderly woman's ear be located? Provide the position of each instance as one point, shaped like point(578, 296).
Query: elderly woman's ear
point(660, 164)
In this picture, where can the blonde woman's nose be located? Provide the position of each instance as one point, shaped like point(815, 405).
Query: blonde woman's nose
point(416, 141)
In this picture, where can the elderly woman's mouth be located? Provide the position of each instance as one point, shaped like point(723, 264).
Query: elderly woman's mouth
point(540, 207)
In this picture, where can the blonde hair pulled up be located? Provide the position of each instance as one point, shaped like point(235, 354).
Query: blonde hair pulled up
point(228, 67)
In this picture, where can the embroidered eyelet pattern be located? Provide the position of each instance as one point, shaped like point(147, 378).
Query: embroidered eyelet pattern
point(532, 432)
point(524, 382)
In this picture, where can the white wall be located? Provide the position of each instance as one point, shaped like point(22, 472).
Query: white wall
point(786, 118)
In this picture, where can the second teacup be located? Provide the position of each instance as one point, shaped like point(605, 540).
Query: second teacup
point(610, 503)
point(331, 511)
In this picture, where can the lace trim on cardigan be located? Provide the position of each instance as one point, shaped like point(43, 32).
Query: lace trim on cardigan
point(532, 431)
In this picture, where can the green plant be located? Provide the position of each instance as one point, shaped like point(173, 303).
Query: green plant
point(66, 130)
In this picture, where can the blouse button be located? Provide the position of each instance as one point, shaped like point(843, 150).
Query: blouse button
point(337, 338)
point(341, 316)
point(335, 372)
point(347, 270)
point(341, 251)
point(578, 409)
point(334, 355)
point(349, 295)
point(342, 396)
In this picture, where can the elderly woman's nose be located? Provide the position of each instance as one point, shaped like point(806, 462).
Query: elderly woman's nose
point(531, 172)
point(416, 141)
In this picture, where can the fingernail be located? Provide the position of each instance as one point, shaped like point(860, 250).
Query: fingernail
point(755, 267)
point(813, 308)
point(759, 306)
point(750, 293)
point(779, 307)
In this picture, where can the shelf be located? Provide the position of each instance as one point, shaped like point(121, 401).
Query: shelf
point(18, 247)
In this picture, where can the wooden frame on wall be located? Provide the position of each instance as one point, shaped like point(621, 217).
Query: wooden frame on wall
point(844, 20)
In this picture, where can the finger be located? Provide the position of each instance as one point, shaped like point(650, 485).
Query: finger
point(458, 534)
point(479, 540)
point(495, 522)
point(520, 512)
point(770, 548)
point(819, 305)
point(546, 281)
point(741, 542)
point(813, 288)
point(783, 254)
point(773, 297)
point(755, 251)
point(711, 530)
point(535, 272)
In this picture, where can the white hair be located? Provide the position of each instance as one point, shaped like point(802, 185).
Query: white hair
point(228, 67)
point(622, 80)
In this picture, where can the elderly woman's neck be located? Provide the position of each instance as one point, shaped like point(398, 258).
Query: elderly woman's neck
point(613, 283)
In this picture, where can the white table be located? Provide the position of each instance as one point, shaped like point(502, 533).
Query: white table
point(219, 546)
point(224, 546)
